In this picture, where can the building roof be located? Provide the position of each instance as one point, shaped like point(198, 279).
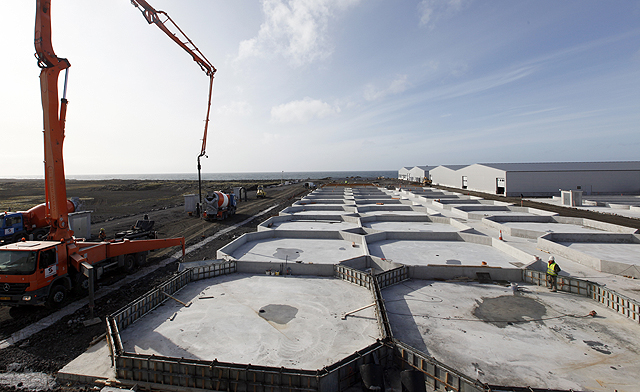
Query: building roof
point(564, 166)
point(424, 169)
point(453, 167)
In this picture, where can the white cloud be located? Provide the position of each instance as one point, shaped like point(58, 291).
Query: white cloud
point(398, 85)
point(432, 10)
point(235, 108)
point(302, 111)
point(269, 138)
point(295, 29)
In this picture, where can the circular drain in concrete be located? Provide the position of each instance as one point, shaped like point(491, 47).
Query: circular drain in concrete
point(279, 314)
point(508, 309)
point(287, 253)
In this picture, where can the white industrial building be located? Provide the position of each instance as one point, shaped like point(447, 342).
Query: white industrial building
point(541, 179)
point(415, 173)
point(446, 175)
point(419, 173)
point(403, 173)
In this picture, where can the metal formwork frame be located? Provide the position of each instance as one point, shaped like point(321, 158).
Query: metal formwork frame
point(394, 276)
point(149, 301)
point(366, 280)
point(620, 303)
point(170, 373)
point(213, 270)
point(157, 371)
point(438, 376)
point(352, 275)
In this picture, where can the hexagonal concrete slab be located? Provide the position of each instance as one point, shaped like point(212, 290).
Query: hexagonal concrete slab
point(533, 337)
point(290, 321)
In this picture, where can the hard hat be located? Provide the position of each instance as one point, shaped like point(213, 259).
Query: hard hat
point(551, 258)
point(101, 229)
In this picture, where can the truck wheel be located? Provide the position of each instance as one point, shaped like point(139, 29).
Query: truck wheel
point(57, 296)
point(81, 284)
point(40, 235)
point(141, 259)
point(18, 236)
point(129, 263)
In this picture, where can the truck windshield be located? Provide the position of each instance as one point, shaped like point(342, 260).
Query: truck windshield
point(14, 262)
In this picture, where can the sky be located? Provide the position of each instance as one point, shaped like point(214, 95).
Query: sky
point(327, 85)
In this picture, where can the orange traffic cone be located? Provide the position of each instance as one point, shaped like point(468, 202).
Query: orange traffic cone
point(500, 238)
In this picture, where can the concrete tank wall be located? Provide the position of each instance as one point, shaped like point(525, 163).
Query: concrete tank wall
point(448, 272)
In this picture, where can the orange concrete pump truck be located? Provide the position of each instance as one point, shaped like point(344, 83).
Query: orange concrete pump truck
point(43, 272)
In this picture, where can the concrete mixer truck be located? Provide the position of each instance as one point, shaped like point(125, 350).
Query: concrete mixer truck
point(218, 205)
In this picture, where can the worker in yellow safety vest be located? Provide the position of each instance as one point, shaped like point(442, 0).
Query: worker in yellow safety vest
point(552, 274)
point(102, 236)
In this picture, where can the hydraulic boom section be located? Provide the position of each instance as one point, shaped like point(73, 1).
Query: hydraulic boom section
point(53, 119)
point(166, 24)
point(41, 271)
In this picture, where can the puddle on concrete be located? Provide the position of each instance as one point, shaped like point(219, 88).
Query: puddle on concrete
point(279, 314)
point(509, 310)
point(287, 253)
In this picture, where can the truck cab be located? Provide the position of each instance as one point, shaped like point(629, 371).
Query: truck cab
point(11, 226)
point(32, 272)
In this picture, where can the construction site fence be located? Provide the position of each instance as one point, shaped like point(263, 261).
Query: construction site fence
point(618, 302)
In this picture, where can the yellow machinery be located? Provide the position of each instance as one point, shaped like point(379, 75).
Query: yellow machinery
point(261, 194)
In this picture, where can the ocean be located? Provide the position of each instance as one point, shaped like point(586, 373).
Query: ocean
point(369, 175)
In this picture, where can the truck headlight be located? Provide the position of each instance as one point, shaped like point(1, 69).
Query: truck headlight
point(26, 298)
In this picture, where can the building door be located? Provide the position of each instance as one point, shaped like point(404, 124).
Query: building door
point(464, 182)
point(500, 186)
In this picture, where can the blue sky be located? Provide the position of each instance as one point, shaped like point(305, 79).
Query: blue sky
point(311, 85)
